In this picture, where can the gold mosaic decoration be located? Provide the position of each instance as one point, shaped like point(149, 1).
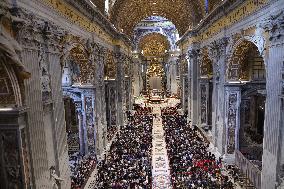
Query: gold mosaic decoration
point(110, 66)
point(236, 15)
point(126, 14)
point(87, 70)
point(154, 45)
point(206, 66)
point(238, 65)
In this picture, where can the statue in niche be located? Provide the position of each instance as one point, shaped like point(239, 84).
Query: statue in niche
point(75, 70)
point(55, 180)
point(203, 104)
point(231, 140)
point(232, 112)
point(45, 80)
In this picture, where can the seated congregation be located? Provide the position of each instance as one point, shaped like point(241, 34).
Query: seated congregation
point(192, 166)
point(128, 163)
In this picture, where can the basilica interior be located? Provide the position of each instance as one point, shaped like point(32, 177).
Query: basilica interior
point(141, 94)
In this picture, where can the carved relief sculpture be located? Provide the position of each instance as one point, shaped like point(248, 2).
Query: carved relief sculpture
point(232, 122)
point(203, 103)
point(90, 124)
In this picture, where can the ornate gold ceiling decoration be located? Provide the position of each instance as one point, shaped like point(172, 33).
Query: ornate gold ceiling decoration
point(126, 14)
point(238, 68)
point(154, 45)
point(206, 65)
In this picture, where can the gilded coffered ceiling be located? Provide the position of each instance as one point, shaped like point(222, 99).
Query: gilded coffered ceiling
point(126, 14)
point(154, 45)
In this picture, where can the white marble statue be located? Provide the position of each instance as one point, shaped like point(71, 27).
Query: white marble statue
point(55, 180)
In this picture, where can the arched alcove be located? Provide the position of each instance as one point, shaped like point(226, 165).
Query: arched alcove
point(246, 63)
point(206, 89)
point(247, 67)
point(76, 67)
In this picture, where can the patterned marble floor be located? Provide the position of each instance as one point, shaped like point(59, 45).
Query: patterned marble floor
point(160, 162)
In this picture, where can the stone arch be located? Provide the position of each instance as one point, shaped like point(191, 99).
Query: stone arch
point(149, 33)
point(246, 97)
point(12, 72)
point(155, 44)
point(77, 67)
point(238, 67)
point(73, 95)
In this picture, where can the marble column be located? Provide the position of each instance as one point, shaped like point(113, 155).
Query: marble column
point(173, 83)
point(111, 102)
point(203, 101)
point(273, 142)
point(184, 81)
point(52, 42)
point(185, 92)
point(217, 52)
point(100, 120)
point(78, 106)
point(87, 121)
point(193, 86)
point(33, 94)
point(89, 104)
point(232, 120)
point(120, 58)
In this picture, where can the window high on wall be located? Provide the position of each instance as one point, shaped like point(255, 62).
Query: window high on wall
point(107, 6)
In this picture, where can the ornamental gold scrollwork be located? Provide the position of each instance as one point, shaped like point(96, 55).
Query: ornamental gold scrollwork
point(206, 65)
point(154, 44)
point(110, 66)
point(225, 21)
point(238, 66)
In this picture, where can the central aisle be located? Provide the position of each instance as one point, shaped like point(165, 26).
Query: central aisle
point(160, 161)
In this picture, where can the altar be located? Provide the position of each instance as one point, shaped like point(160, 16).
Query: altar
point(156, 96)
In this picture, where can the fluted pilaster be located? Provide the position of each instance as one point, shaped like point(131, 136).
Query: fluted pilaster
point(273, 152)
point(120, 59)
point(217, 52)
point(193, 85)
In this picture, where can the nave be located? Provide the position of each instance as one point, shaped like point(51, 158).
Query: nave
point(145, 93)
point(157, 149)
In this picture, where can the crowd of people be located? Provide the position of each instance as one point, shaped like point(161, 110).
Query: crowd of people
point(142, 110)
point(172, 111)
point(111, 132)
point(192, 166)
point(128, 163)
point(73, 139)
point(81, 168)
